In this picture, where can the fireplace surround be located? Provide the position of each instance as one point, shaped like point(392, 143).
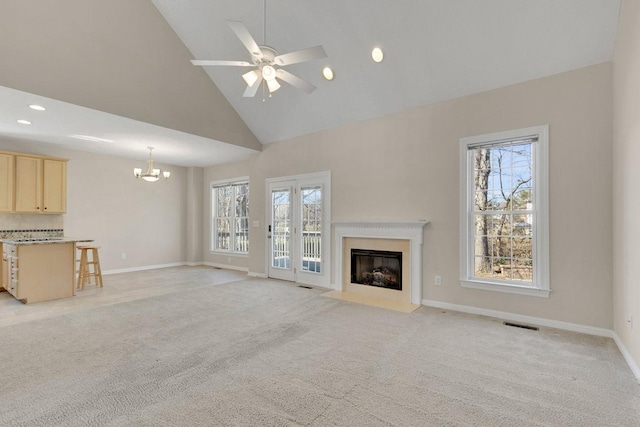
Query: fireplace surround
point(409, 234)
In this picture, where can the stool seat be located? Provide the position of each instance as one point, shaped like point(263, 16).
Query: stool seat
point(85, 273)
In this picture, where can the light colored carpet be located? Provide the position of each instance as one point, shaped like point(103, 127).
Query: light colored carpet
point(260, 352)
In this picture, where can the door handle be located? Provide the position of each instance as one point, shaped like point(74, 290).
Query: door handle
point(268, 236)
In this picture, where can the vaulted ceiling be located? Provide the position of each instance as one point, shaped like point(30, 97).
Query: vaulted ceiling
point(120, 69)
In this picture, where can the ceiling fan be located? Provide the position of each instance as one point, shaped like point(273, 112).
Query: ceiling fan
point(265, 60)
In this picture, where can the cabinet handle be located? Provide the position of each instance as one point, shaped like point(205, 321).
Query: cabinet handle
point(45, 208)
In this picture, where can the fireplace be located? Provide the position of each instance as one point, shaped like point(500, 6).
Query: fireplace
point(376, 268)
point(382, 237)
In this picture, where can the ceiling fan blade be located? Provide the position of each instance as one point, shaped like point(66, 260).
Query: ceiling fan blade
point(251, 91)
point(218, 62)
point(297, 82)
point(246, 38)
point(303, 55)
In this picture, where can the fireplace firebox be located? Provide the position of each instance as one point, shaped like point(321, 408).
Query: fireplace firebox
point(382, 269)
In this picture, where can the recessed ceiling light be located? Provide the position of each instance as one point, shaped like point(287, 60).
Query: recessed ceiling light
point(377, 54)
point(91, 138)
point(37, 107)
point(24, 122)
point(327, 73)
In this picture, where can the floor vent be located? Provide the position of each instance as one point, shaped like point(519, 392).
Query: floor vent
point(518, 325)
point(306, 287)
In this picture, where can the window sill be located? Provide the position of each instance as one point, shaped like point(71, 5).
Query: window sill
point(508, 288)
point(233, 254)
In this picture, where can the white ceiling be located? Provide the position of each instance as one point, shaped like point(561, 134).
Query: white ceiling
point(434, 50)
point(129, 138)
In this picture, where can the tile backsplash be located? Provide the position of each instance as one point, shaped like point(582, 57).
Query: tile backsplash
point(31, 234)
point(27, 222)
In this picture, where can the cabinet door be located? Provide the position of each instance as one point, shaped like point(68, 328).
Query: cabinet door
point(28, 184)
point(6, 182)
point(55, 186)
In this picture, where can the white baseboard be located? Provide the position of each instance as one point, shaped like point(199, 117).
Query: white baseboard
point(226, 266)
point(537, 321)
point(144, 267)
point(254, 274)
point(194, 264)
point(627, 356)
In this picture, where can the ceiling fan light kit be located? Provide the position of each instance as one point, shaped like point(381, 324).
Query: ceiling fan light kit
point(265, 62)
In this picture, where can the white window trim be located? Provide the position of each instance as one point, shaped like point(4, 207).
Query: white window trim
point(541, 285)
point(212, 228)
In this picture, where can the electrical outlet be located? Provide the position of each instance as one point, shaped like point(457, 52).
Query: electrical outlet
point(123, 255)
point(630, 321)
point(438, 280)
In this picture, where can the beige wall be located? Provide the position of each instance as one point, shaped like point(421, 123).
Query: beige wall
point(405, 167)
point(626, 177)
point(147, 221)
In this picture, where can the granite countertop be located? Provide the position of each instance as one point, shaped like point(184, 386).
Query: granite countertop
point(41, 241)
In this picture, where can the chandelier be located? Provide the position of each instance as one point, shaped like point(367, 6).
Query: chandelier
point(151, 175)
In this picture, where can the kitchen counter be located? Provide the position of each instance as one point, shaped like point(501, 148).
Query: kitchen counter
point(39, 269)
point(41, 241)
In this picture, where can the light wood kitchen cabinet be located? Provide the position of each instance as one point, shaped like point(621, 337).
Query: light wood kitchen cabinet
point(6, 182)
point(54, 190)
point(40, 185)
point(28, 184)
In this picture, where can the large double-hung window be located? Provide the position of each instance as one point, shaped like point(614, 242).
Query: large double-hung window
point(504, 221)
point(230, 217)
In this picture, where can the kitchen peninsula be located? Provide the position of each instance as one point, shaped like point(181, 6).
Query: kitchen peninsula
point(39, 269)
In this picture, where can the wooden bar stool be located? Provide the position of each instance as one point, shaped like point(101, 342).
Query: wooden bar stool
point(84, 271)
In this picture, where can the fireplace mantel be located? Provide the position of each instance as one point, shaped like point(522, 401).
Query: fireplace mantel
point(404, 230)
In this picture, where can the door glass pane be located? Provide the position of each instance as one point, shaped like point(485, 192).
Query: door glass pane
point(281, 233)
point(311, 228)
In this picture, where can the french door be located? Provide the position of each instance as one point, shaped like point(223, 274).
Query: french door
point(298, 229)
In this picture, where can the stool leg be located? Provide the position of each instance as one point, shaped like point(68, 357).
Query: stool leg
point(96, 268)
point(82, 271)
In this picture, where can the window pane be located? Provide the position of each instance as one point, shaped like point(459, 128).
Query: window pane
point(483, 267)
point(523, 270)
point(231, 218)
point(503, 184)
point(241, 235)
point(311, 228)
point(223, 233)
point(523, 248)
